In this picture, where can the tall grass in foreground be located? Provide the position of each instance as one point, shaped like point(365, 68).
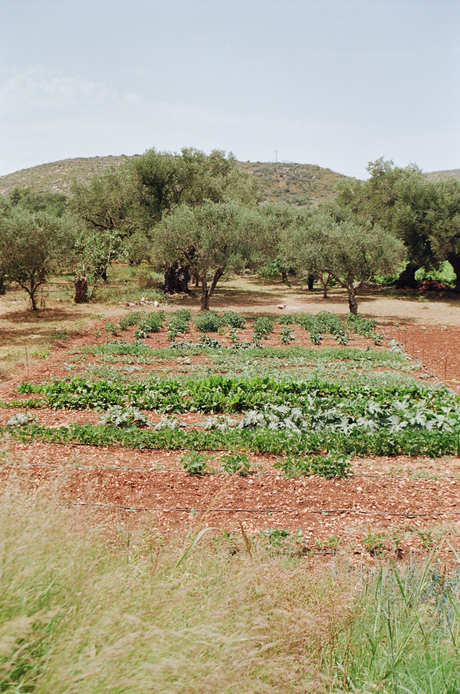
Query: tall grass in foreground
point(93, 608)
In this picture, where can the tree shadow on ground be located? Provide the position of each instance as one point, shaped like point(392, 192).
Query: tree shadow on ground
point(43, 315)
point(223, 296)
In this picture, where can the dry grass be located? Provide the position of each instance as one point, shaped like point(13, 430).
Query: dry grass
point(88, 609)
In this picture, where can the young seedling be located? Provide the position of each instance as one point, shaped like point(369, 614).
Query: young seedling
point(287, 335)
point(237, 463)
point(194, 463)
point(374, 544)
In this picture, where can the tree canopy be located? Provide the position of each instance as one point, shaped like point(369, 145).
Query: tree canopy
point(191, 177)
point(32, 245)
point(212, 238)
point(399, 200)
point(121, 208)
point(332, 242)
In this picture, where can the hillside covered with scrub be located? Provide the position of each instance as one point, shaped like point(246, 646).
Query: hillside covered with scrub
point(294, 184)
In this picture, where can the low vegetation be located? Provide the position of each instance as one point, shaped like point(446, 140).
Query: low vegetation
point(125, 609)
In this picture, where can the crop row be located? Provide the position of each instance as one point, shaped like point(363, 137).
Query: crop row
point(278, 442)
point(262, 326)
point(318, 402)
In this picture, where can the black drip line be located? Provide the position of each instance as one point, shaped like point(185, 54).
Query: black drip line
point(324, 512)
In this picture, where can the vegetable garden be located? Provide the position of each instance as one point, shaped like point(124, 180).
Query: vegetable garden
point(240, 420)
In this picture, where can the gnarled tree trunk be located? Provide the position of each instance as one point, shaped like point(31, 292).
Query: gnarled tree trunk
point(177, 277)
point(407, 277)
point(81, 290)
point(352, 304)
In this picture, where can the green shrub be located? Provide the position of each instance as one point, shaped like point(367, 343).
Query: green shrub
point(178, 323)
point(112, 328)
point(153, 322)
point(327, 322)
point(130, 319)
point(262, 327)
point(194, 463)
point(125, 418)
point(233, 320)
point(237, 463)
point(342, 337)
point(316, 338)
point(287, 335)
point(288, 319)
point(208, 322)
point(210, 342)
point(360, 325)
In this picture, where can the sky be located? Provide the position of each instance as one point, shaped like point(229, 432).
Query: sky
point(337, 83)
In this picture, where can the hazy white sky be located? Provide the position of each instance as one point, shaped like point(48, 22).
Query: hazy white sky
point(330, 82)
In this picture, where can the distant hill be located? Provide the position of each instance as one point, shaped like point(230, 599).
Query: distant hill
point(59, 175)
point(438, 175)
point(297, 184)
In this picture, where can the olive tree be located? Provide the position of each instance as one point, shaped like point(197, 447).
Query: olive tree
point(108, 212)
point(400, 201)
point(212, 239)
point(166, 180)
point(121, 208)
point(337, 245)
point(32, 245)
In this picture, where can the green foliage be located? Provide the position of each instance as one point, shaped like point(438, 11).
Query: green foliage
point(406, 441)
point(287, 335)
point(210, 342)
point(208, 322)
point(315, 404)
point(280, 417)
point(342, 337)
point(32, 246)
point(130, 319)
point(262, 327)
point(212, 239)
point(50, 202)
point(112, 328)
point(108, 209)
point(26, 387)
point(316, 338)
point(334, 243)
point(328, 466)
point(125, 418)
point(361, 326)
point(233, 320)
point(194, 463)
point(178, 323)
point(237, 463)
point(153, 322)
point(166, 180)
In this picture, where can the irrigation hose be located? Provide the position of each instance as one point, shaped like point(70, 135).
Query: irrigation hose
point(324, 512)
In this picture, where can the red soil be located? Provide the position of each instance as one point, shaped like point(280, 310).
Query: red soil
point(409, 497)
